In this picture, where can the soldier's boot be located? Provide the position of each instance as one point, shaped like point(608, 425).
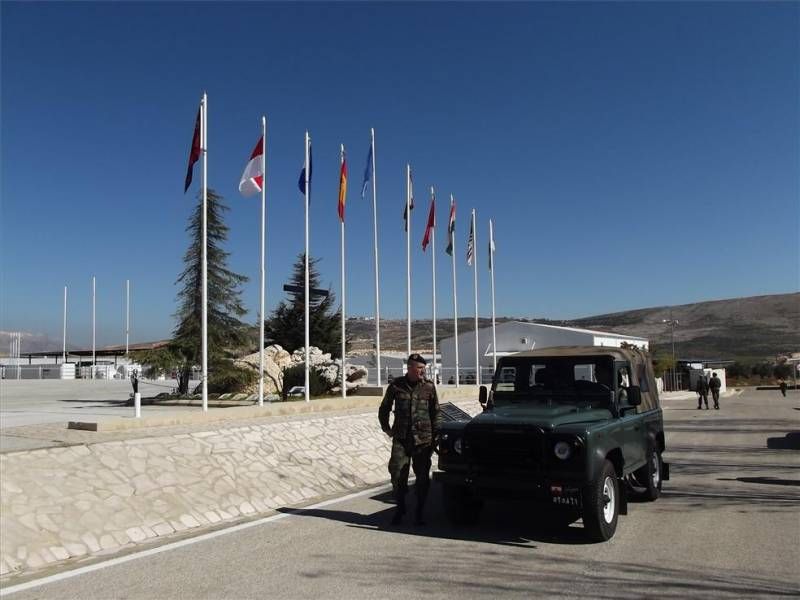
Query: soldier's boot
point(400, 511)
point(419, 518)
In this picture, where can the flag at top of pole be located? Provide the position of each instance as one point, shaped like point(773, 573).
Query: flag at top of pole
point(253, 177)
point(451, 227)
point(426, 239)
point(301, 183)
point(342, 187)
point(195, 151)
point(368, 172)
point(471, 244)
point(410, 205)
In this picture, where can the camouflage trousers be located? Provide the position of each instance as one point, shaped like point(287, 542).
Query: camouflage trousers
point(418, 458)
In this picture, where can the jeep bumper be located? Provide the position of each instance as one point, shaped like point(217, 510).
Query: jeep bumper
point(560, 492)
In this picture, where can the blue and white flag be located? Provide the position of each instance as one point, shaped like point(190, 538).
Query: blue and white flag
point(368, 170)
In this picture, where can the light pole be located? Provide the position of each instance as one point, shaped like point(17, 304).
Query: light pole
point(672, 322)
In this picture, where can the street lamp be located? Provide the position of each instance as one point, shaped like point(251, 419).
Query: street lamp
point(672, 322)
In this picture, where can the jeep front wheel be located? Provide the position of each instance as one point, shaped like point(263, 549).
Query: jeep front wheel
point(460, 505)
point(601, 505)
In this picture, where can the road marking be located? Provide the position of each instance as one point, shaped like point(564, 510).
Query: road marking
point(291, 512)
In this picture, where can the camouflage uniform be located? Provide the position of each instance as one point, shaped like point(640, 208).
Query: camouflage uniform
point(416, 420)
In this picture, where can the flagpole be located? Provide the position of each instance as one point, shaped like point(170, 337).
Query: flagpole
point(94, 294)
point(491, 271)
point(64, 333)
point(263, 251)
point(127, 313)
point(204, 137)
point(433, 277)
point(455, 294)
point(408, 260)
point(341, 223)
point(475, 285)
point(307, 390)
point(375, 238)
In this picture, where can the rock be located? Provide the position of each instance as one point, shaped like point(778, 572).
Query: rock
point(276, 360)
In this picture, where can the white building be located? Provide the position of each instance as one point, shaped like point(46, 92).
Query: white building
point(516, 336)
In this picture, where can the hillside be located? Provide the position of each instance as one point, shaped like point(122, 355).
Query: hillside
point(739, 328)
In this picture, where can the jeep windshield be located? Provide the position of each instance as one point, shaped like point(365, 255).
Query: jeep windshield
point(584, 380)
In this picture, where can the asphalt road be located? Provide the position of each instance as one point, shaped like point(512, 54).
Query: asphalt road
point(726, 526)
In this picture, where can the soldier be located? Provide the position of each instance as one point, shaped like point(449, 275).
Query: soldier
point(416, 421)
point(714, 385)
point(702, 392)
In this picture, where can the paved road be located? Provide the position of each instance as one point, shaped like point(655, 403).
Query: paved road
point(727, 526)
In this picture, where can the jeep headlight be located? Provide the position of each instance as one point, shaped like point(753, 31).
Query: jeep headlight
point(562, 450)
point(457, 446)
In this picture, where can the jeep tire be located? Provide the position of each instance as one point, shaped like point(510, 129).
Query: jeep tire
point(460, 506)
point(647, 479)
point(601, 505)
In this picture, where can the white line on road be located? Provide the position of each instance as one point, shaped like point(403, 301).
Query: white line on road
point(7, 591)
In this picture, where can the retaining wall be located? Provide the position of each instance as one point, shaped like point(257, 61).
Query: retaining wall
point(65, 503)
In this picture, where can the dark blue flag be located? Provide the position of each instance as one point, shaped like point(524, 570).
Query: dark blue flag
point(302, 181)
point(367, 172)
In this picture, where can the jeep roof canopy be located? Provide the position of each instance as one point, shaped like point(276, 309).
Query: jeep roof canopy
point(641, 367)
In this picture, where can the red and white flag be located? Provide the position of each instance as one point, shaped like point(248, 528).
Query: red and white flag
point(253, 177)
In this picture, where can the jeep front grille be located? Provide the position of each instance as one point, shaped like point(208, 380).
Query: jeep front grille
point(501, 448)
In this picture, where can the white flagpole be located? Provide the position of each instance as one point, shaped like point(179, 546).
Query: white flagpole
point(204, 138)
point(475, 278)
point(307, 390)
point(64, 333)
point(94, 355)
point(375, 237)
point(491, 271)
point(433, 278)
point(344, 348)
point(127, 313)
point(263, 250)
point(408, 260)
point(455, 294)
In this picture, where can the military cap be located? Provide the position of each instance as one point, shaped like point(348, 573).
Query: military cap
point(417, 358)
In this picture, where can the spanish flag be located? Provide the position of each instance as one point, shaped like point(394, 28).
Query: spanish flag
point(342, 188)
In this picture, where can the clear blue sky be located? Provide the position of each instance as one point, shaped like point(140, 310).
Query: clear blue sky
point(631, 154)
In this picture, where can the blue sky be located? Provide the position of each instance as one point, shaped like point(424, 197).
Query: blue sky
point(630, 154)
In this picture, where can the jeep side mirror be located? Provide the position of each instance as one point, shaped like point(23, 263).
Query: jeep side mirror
point(634, 395)
point(483, 396)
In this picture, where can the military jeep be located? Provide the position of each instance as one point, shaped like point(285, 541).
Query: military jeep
point(574, 430)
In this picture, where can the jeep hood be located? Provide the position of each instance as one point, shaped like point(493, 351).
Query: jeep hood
point(548, 417)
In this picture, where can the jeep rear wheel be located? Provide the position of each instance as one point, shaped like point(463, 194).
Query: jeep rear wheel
point(460, 505)
point(601, 505)
point(646, 481)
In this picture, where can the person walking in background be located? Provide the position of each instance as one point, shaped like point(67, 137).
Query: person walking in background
point(782, 385)
point(702, 392)
point(417, 418)
point(715, 384)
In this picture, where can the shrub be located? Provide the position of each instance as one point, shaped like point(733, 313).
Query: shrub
point(296, 375)
point(225, 377)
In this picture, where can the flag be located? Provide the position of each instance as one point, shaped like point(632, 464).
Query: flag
point(252, 180)
point(451, 228)
point(471, 244)
point(491, 244)
point(301, 183)
point(194, 151)
point(368, 171)
point(410, 205)
point(431, 222)
point(342, 188)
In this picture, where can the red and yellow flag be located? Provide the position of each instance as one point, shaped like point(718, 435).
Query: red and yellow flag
point(342, 189)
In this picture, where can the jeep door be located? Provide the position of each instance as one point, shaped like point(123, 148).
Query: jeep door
point(632, 424)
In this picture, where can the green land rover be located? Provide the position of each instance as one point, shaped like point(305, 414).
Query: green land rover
point(575, 429)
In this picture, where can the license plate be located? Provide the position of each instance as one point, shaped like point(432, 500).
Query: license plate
point(565, 501)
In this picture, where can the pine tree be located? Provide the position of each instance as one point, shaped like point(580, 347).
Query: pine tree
point(225, 330)
point(286, 326)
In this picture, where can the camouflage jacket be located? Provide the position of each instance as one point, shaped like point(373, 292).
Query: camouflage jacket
point(416, 411)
